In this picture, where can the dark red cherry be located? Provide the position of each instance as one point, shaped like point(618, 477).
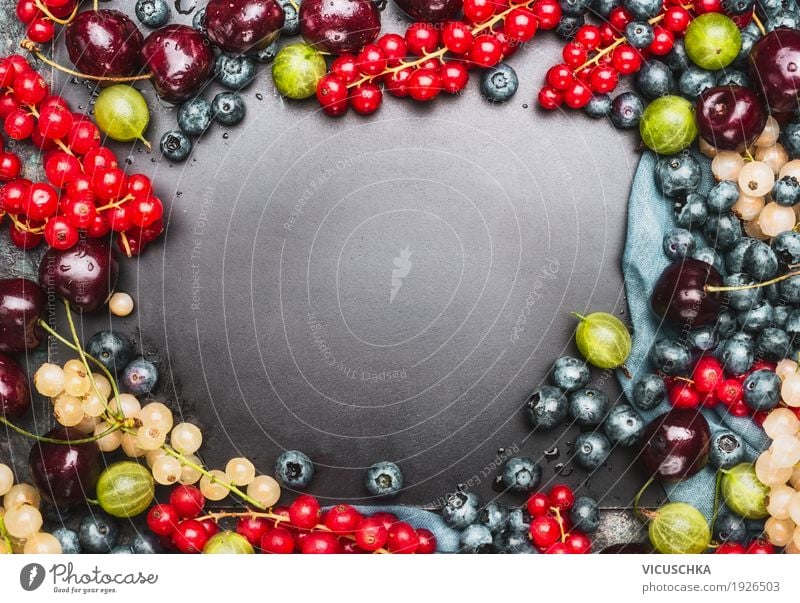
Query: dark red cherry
point(243, 26)
point(430, 11)
point(15, 393)
point(85, 275)
point(65, 474)
point(180, 59)
point(104, 42)
point(339, 26)
point(730, 117)
point(775, 68)
point(22, 304)
point(679, 295)
point(675, 445)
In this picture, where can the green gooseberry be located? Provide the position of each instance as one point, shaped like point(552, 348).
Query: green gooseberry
point(713, 41)
point(667, 125)
point(679, 529)
point(603, 340)
point(297, 69)
point(742, 491)
point(228, 543)
point(121, 112)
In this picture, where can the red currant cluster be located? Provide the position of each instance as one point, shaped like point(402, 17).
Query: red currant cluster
point(599, 54)
point(41, 16)
point(757, 547)
point(433, 58)
point(86, 192)
point(550, 529)
point(709, 386)
point(302, 527)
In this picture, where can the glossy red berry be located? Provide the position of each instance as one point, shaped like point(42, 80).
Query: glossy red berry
point(366, 98)
point(684, 395)
point(41, 30)
point(8, 104)
point(739, 409)
point(83, 137)
point(145, 211)
point(342, 519)
point(13, 196)
point(730, 548)
point(162, 519)
point(394, 48)
point(371, 60)
point(574, 54)
point(62, 168)
point(388, 519)
point(60, 234)
point(305, 512)
point(396, 82)
point(562, 497)
point(454, 77)
point(79, 212)
point(478, 11)
point(402, 539)
point(252, 528)
point(663, 41)
point(139, 185)
point(424, 84)
point(760, 547)
point(607, 34)
point(427, 542)
point(558, 548)
point(549, 98)
point(26, 12)
point(188, 501)
point(707, 6)
point(520, 24)
point(346, 67)
point(578, 543)
point(110, 184)
point(321, 543)
point(211, 526)
point(371, 534)
point(603, 79)
point(100, 158)
point(23, 239)
point(619, 17)
point(729, 392)
point(278, 541)
point(538, 504)
point(41, 201)
point(19, 124)
point(486, 51)
point(559, 77)
point(577, 95)
point(332, 95)
point(421, 38)
point(626, 59)
point(588, 36)
point(190, 536)
point(457, 37)
point(548, 13)
point(707, 374)
point(544, 531)
point(676, 18)
point(29, 87)
point(10, 166)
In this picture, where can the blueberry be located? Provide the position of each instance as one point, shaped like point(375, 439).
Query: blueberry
point(598, 106)
point(749, 40)
point(734, 257)
point(199, 21)
point(755, 527)
point(785, 19)
point(547, 407)
point(585, 515)
point(736, 355)
point(384, 479)
point(494, 516)
point(626, 110)
point(588, 406)
point(678, 244)
point(291, 20)
point(649, 392)
point(111, 349)
point(792, 326)
point(791, 138)
point(773, 344)
point(591, 450)
point(780, 314)
point(146, 544)
point(460, 509)
point(703, 338)
point(70, 543)
point(570, 373)
point(121, 549)
point(726, 450)
point(268, 54)
point(574, 8)
point(604, 7)
point(743, 299)
point(756, 318)
point(152, 13)
point(670, 357)
point(733, 77)
point(235, 72)
point(677, 59)
point(475, 538)
point(643, 9)
point(723, 231)
point(709, 256)
point(655, 79)
point(693, 212)
point(640, 34)
point(761, 390)
point(568, 26)
point(228, 108)
point(519, 520)
point(294, 469)
point(98, 533)
point(770, 8)
point(175, 145)
point(521, 474)
point(623, 425)
point(730, 528)
point(195, 116)
point(789, 290)
point(726, 324)
point(513, 542)
point(499, 83)
point(723, 196)
point(678, 175)
point(760, 261)
point(786, 191)
point(140, 377)
point(694, 80)
point(737, 7)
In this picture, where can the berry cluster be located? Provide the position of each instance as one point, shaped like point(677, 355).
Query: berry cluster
point(21, 523)
point(40, 17)
point(302, 527)
point(628, 36)
point(86, 192)
point(433, 58)
point(551, 528)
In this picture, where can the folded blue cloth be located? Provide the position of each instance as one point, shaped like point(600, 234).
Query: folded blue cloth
point(650, 217)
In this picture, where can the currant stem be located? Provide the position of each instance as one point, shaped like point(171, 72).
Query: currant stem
point(34, 50)
point(124, 238)
point(46, 11)
point(759, 24)
point(279, 519)
point(643, 517)
point(46, 440)
point(777, 279)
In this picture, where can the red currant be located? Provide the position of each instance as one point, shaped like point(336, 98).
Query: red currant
point(144, 211)
point(707, 6)
point(394, 48)
point(29, 87)
point(23, 239)
point(619, 17)
point(162, 519)
point(190, 536)
point(607, 34)
point(252, 528)
point(41, 201)
point(83, 137)
point(342, 519)
point(427, 542)
point(663, 41)
point(760, 547)
point(19, 124)
point(60, 234)
point(371, 60)
point(730, 548)
point(561, 497)
point(421, 38)
point(41, 30)
point(188, 501)
point(578, 543)
point(558, 548)
point(676, 18)
point(99, 227)
point(321, 543)
point(305, 512)
point(538, 504)
point(139, 185)
point(366, 98)
point(486, 51)
point(729, 392)
point(371, 534)
point(544, 531)
point(62, 168)
point(424, 84)
point(577, 95)
point(588, 36)
point(388, 519)
point(396, 82)
point(548, 13)
point(110, 184)
point(346, 67)
point(26, 12)
point(520, 24)
point(278, 541)
point(119, 218)
point(684, 395)
point(739, 409)
point(79, 212)
point(549, 98)
point(13, 195)
point(454, 77)
point(707, 374)
point(8, 104)
point(402, 539)
point(457, 37)
point(20, 64)
point(603, 78)
point(574, 54)
point(10, 166)
point(479, 11)
point(99, 158)
point(559, 77)
point(626, 59)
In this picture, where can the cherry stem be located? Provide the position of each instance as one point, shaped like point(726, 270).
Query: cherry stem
point(46, 11)
point(280, 519)
point(34, 50)
point(777, 279)
point(641, 513)
point(759, 24)
point(46, 440)
point(124, 238)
